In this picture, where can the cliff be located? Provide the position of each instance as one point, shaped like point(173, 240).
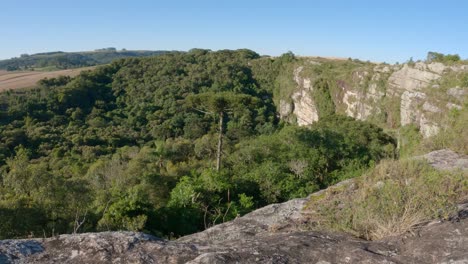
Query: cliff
point(421, 94)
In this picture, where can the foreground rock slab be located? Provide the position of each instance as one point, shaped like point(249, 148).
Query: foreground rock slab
point(276, 233)
point(438, 242)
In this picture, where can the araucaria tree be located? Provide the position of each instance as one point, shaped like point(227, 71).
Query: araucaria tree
point(220, 104)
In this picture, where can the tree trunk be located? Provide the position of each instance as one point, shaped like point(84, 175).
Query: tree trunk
point(220, 142)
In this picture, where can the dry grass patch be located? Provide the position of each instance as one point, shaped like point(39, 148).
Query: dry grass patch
point(392, 199)
point(28, 79)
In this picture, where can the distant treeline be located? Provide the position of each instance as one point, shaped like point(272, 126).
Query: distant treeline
point(68, 60)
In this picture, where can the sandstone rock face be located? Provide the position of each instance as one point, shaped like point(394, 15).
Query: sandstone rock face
point(409, 107)
point(411, 79)
point(366, 96)
point(362, 105)
point(437, 67)
point(273, 234)
point(415, 109)
point(305, 109)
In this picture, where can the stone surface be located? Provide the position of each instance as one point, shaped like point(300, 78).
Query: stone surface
point(269, 218)
point(427, 127)
point(446, 159)
point(305, 109)
point(430, 108)
point(453, 106)
point(437, 67)
point(439, 242)
point(457, 92)
point(409, 107)
point(357, 104)
point(415, 109)
point(411, 79)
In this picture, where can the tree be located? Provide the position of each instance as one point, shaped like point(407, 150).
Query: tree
point(220, 104)
point(439, 57)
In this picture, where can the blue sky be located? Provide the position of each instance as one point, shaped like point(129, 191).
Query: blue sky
point(376, 30)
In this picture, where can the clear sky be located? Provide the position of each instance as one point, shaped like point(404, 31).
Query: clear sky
point(390, 31)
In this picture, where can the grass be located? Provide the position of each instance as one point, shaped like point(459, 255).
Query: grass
point(391, 199)
point(47, 69)
point(453, 135)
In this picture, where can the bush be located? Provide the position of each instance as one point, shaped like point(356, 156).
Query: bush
point(439, 57)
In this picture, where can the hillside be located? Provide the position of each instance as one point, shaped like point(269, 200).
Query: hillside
point(69, 60)
point(174, 144)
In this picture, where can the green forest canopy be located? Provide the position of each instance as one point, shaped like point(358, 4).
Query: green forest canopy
point(121, 147)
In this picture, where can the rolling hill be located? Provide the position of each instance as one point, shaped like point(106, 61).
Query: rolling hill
point(69, 60)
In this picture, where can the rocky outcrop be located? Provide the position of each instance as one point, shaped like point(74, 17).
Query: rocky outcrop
point(304, 106)
point(438, 242)
point(412, 79)
point(409, 107)
point(457, 93)
point(277, 233)
point(414, 109)
point(375, 93)
point(445, 159)
point(106, 247)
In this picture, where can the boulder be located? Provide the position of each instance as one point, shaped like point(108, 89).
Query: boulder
point(446, 159)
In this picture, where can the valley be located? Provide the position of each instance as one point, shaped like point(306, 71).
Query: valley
point(183, 145)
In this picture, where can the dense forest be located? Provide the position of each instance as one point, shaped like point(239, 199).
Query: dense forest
point(168, 145)
point(68, 60)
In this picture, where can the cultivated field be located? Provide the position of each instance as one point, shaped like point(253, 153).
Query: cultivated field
point(27, 79)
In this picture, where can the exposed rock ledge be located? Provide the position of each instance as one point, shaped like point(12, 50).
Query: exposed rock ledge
point(273, 234)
